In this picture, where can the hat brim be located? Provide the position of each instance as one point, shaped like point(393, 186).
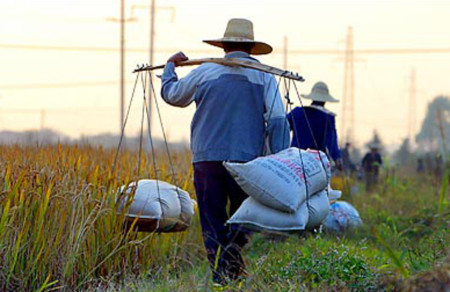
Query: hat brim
point(259, 48)
point(320, 97)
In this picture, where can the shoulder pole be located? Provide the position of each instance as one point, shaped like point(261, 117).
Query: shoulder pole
point(232, 62)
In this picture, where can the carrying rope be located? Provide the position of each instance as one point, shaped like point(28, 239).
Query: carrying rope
point(141, 132)
point(311, 132)
point(145, 79)
point(145, 112)
point(122, 132)
point(288, 108)
point(152, 147)
point(266, 134)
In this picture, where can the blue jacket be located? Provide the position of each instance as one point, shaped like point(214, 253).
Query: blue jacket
point(237, 109)
point(322, 131)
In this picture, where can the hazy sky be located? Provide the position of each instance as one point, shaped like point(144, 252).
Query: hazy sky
point(382, 82)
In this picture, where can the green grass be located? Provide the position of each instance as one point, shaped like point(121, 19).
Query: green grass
point(402, 238)
point(59, 230)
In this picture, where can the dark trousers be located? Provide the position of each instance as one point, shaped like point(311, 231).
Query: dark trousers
point(371, 180)
point(215, 189)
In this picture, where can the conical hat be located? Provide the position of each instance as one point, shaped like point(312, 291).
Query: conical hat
point(320, 92)
point(241, 31)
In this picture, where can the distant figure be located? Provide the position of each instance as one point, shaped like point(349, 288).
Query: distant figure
point(438, 166)
point(371, 165)
point(347, 163)
point(420, 165)
point(429, 163)
point(314, 126)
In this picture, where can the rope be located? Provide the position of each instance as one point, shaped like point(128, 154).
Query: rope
point(288, 102)
point(163, 132)
point(153, 151)
point(289, 108)
point(302, 164)
point(172, 169)
point(122, 133)
point(310, 130)
point(270, 113)
point(289, 105)
point(141, 131)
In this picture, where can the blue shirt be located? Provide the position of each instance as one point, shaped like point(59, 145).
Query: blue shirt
point(322, 134)
point(238, 109)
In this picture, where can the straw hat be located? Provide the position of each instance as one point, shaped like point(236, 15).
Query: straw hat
point(320, 92)
point(241, 31)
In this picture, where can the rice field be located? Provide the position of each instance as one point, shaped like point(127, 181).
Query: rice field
point(59, 231)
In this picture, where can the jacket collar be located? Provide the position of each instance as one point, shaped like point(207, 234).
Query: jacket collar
point(239, 54)
point(322, 109)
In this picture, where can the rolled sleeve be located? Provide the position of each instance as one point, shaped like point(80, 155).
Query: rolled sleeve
point(178, 92)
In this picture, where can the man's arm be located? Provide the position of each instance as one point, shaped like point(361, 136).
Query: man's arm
point(332, 133)
point(174, 91)
point(380, 160)
point(277, 126)
point(364, 161)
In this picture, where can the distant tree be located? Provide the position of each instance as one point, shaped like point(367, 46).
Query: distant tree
point(429, 137)
point(403, 155)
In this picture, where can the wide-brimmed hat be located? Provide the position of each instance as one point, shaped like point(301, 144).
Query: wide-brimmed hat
point(241, 31)
point(320, 92)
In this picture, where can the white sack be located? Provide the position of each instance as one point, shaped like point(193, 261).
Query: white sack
point(342, 216)
point(255, 215)
point(157, 200)
point(187, 206)
point(278, 181)
point(333, 195)
point(318, 207)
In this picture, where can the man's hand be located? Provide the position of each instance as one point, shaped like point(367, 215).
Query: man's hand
point(178, 57)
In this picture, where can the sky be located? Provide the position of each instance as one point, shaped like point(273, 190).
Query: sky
point(38, 84)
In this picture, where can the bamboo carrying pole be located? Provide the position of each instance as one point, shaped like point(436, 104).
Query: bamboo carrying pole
point(233, 62)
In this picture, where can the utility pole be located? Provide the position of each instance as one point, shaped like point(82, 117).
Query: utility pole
point(152, 49)
point(285, 57)
point(348, 96)
point(122, 20)
point(122, 64)
point(152, 14)
point(412, 108)
point(285, 52)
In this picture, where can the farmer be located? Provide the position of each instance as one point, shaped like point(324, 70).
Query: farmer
point(371, 165)
point(347, 163)
point(236, 110)
point(314, 126)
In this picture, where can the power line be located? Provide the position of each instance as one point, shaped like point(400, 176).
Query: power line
point(382, 51)
point(56, 110)
point(84, 49)
point(57, 85)
point(206, 51)
point(58, 48)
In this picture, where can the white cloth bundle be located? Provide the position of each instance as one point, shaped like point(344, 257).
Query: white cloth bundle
point(158, 200)
point(309, 215)
point(254, 215)
point(283, 180)
point(342, 217)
